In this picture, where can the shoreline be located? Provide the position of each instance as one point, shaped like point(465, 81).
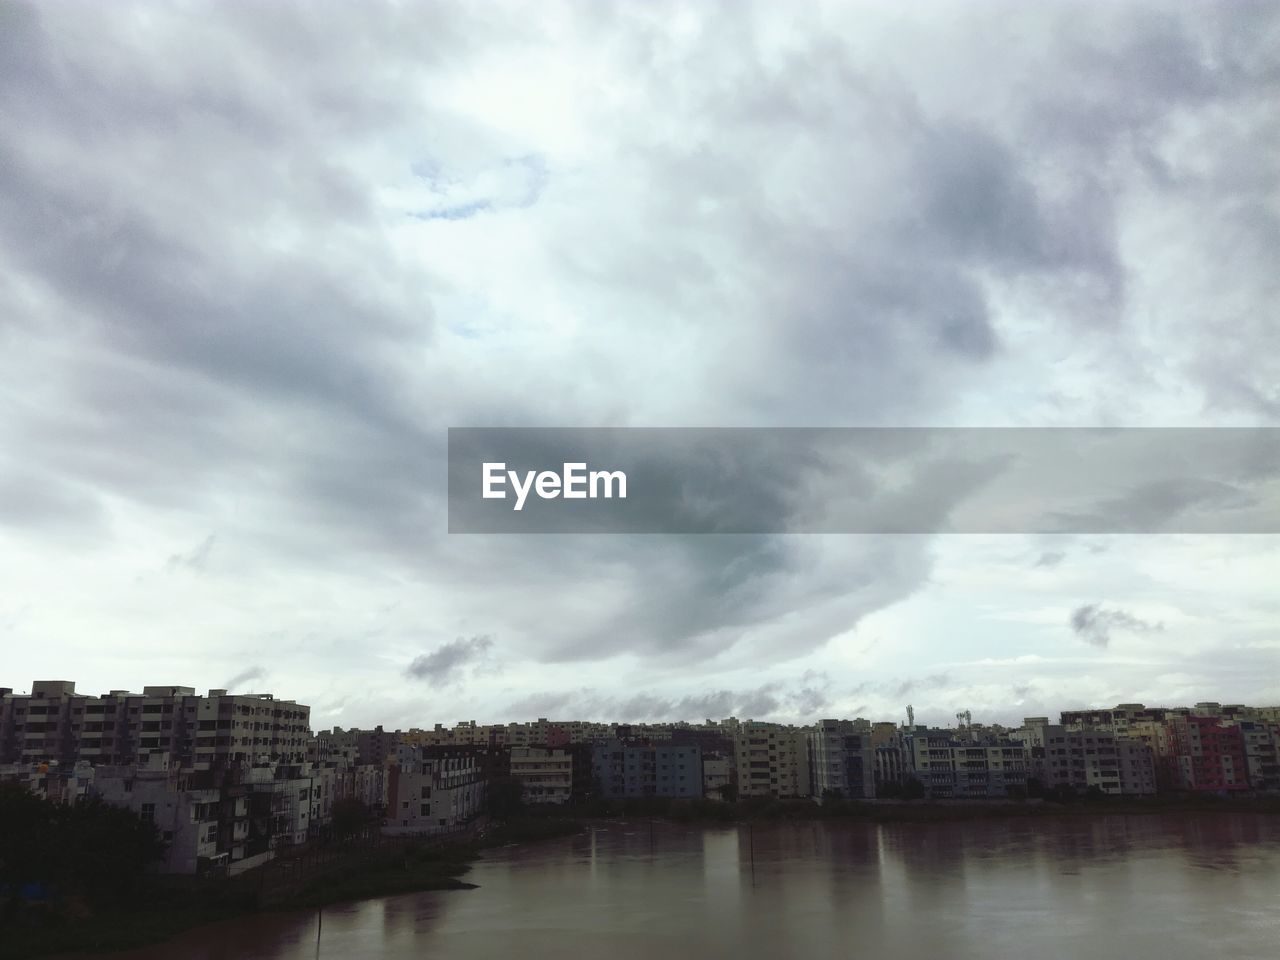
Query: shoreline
point(180, 904)
point(902, 811)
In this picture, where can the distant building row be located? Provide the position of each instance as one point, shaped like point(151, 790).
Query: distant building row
point(231, 780)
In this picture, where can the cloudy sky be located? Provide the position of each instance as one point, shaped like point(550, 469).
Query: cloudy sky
point(256, 258)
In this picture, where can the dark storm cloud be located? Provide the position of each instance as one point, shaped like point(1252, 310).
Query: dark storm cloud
point(771, 699)
point(445, 663)
point(1094, 624)
point(920, 684)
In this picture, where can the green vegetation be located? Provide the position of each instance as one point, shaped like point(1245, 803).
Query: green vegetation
point(88, 852)
point(350, 817)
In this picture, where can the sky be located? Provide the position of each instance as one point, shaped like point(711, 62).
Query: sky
point(255, 259)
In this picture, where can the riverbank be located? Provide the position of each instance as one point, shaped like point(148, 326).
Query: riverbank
point(168, 905)
point(902, 811)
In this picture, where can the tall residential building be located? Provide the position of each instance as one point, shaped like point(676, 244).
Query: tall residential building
point(432, 794)
point(43, 725)
point(628, 769)
point(1261, 749)
point(1207, 754)
point(1120, 718)
point(951, 764)
point(841, 760)
point(772, 760)
point(717, 775)
point(1084, 758)
point(164, 724)
point(546, 775)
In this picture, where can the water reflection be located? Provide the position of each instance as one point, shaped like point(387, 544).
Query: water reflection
point(1132, 887)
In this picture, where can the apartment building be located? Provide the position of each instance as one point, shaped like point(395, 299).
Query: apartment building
point(1261, 749)
point(951, 765)
point(167, 724)
point(546, 774)
point(1207, 754)
point(222, 822)
point(494, 762)
point(717, 775)
point(289, 805)
point(841, 760)
point(628, 769)
point(188, 819)
point(432, 794)
point(891, 766)
point(334, 747)
point(1084, 758)
point(1119, 719)
point(771, 760)
point(42, 725)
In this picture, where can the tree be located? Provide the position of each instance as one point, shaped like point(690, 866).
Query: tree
point(506, 797)
point(91, 848)
point(350, 816)
point(912, 789)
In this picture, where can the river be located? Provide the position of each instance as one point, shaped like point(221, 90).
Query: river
point(1136, 887)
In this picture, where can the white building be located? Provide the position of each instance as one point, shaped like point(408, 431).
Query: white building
point(717, 773)
point(545, 774)
point(430, 795)
point(186, 819)
point(171, 723)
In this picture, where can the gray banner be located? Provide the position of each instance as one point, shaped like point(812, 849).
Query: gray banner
point(864, 480)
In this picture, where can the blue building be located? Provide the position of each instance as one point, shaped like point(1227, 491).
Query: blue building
point(625, 770)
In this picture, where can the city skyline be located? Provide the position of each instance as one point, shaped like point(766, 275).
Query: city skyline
point(921, 714)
